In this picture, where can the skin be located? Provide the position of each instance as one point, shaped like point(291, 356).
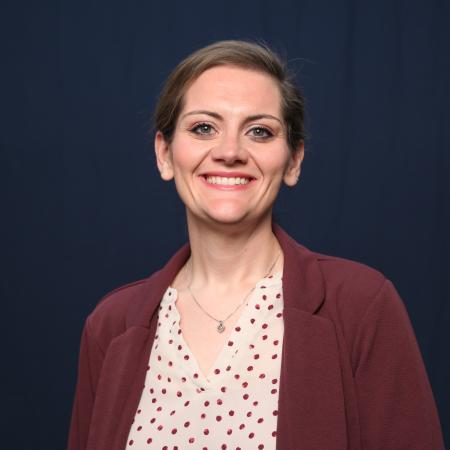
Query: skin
point(231, 123)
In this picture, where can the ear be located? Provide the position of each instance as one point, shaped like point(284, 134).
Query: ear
point(163, 157)
point(293, 167)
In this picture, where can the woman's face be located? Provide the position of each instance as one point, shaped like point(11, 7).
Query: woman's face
point(229, 153)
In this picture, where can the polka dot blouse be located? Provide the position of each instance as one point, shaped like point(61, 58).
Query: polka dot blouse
point(236, 405)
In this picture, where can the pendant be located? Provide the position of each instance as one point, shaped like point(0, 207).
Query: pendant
point(221, 327)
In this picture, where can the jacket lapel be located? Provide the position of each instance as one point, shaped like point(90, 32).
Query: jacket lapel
point(311, 413)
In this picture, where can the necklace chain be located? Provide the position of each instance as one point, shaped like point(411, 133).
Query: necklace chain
point(221, 327)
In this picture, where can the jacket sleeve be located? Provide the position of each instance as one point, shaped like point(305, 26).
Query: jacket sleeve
point(89, 367)
point(396, 405)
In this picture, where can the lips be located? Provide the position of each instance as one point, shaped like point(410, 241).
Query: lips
point(227, 179)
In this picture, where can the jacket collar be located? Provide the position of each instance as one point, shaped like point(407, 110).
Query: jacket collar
point(301, 273)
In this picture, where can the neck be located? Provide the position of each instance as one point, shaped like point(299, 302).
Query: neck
point(231, 255)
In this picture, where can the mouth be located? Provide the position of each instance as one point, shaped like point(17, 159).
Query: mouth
point(229, 180)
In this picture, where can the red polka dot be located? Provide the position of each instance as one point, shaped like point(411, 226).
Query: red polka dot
point(231, 413)
point(251, 346)
point(274, 381)
point(244, 384)
point(218, 418)
point(278, 296)
point(183, 379)
point(228, 368)
point(241, 426)
point(273, 391)
point(206, 403)
point(202, 415)
point(250, 368)
point(186, 403)
point(256, 356)
point(159, 408)
point(230, 343)
point(160, 427)
point(219, 401)
point(274, 356)
point(238, 328)
point(276, 342)
point(264, 337)
point(264, 326)
point(163, 391)
point(223, 389)
point(229, 431)
point(275, 412)
point(270, 307)
point(255, 403)
point(159, 357)
point(274, 433)
point(279, 314)
point(251, 435)
point(252, 321)
point(191, 440)
point(186, 424)
point(195, 375)
point(174, 431)
point(260, 446)
point(139, 428)
point(131, 442)
point(249, 414)
point(186, 357)
point(170, 363)
point(217, 371)
point(237, 376)
point(179, 394)
point(179, 347)
point(224, 447)
point(172, 412)
point(263, 375)
point(264, 297)
point(245, 396)
point(206, 431)
point(260, 420)
point(170, 341)
point(149, 440)
point(153, 420)
point(257, 306)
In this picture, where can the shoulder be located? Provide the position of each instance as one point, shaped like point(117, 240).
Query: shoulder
point(352, 291)
point(111, 316)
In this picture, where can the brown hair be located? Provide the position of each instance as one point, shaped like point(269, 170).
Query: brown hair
point(237, 53)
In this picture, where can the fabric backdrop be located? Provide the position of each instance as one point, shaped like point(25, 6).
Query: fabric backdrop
point(85, 210)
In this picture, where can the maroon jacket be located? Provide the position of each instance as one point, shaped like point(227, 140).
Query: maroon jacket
point(351, 373)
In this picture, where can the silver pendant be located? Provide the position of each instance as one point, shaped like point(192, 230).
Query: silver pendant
point(221, 327)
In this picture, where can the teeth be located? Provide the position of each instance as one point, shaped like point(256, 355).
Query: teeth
point(227, 181)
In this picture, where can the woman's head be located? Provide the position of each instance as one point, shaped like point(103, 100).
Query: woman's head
point(233, 53)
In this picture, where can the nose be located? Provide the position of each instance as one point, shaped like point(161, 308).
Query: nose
point(229, 150)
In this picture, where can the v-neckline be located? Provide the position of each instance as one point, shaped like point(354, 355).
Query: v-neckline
point(204, 380)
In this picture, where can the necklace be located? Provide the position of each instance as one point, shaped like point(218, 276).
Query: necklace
point(220, 322)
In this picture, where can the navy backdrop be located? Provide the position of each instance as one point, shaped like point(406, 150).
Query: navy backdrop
point(86, 211)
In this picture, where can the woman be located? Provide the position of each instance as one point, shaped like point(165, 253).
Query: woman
point(246, 339)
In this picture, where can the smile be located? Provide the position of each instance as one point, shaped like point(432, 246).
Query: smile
point(227, 181)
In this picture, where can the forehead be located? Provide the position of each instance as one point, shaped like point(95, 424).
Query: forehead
point(235, 89)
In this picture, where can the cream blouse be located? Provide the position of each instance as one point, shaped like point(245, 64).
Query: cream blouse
point(236, 405)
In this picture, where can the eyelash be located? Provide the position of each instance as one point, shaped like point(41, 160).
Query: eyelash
point(196, 129)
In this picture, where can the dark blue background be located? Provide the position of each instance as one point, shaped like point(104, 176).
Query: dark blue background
point(85, 210)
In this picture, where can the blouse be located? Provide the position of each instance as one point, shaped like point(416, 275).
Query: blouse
point(235, 405)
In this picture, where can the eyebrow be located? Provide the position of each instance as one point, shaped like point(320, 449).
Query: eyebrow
point(219, 117)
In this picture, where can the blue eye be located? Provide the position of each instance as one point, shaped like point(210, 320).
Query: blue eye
point(261, 132)
point(202, 129)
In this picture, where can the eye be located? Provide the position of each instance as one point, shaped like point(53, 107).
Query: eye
point(260, 132)
point(203, 129)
